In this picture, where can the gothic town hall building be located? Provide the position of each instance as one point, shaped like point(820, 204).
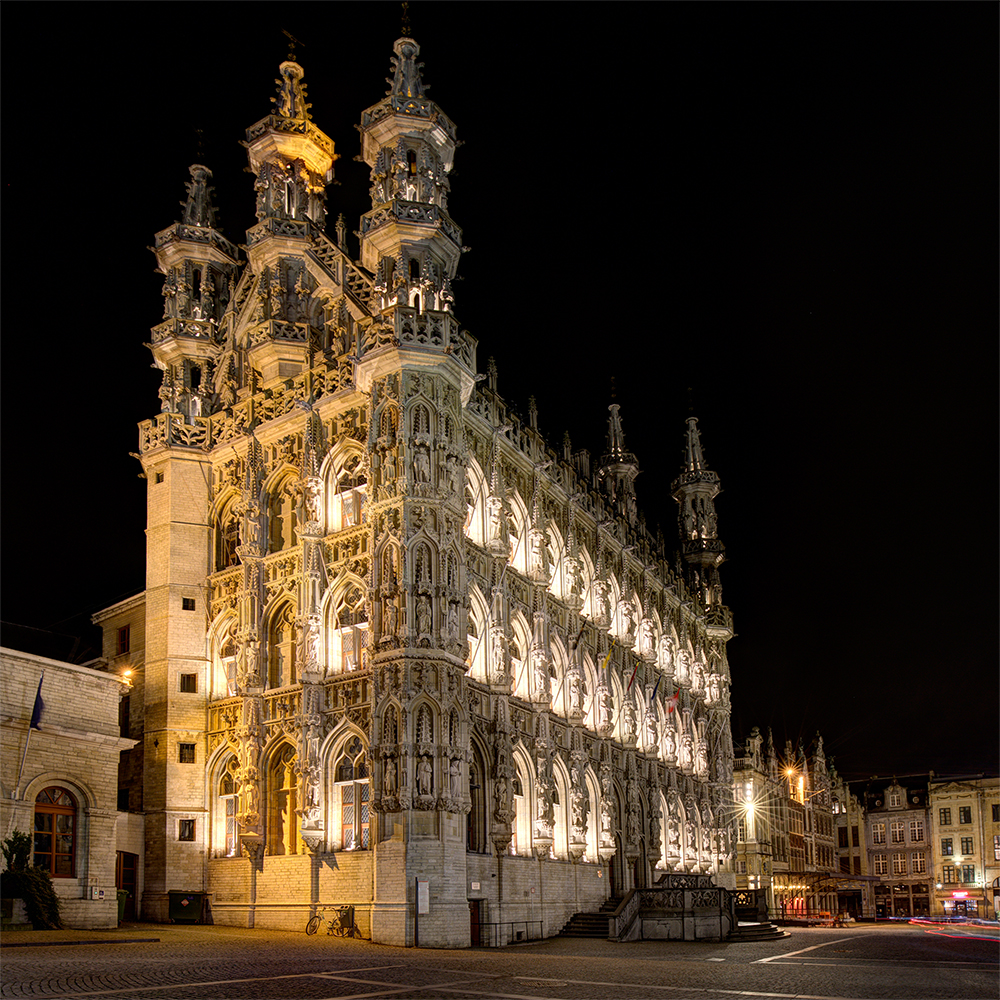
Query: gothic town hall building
point(393, 647)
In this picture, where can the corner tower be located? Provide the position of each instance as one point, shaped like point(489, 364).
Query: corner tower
point(417, 365)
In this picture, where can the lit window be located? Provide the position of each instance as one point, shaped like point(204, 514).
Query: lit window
point(354, 793)
point(916, 830)
point(968, 873)
point(996, 846)
point(967, 846)
point(948, 874)
point(899, 864)
point(965, 814)
point(878, 833)
point(896, 830)
point(228, 845)
point(881, 864)
point(944, 817)
point(919, 860)
point(895, 800)
point(55, 832)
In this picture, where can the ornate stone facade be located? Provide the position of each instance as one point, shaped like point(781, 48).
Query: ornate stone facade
point(429, 646)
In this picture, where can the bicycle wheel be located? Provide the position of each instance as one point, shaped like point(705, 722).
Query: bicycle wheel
point(313, 925)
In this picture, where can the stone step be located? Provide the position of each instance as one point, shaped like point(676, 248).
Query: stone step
point(757, 932)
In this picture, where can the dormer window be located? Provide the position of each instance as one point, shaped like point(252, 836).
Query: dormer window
point(895, 798)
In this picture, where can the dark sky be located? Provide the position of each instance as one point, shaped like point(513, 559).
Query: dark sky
point(789, 209)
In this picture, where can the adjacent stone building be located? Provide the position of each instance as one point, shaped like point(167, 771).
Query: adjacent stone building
point(898, 836)
point(397, 650)
point(964, 815)
point(59, 777)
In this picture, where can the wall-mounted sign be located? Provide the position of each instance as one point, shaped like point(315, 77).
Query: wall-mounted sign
point(423, 896)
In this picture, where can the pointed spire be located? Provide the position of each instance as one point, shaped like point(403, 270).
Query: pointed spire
point(694, 459)
point(616, 451)
point(406, 80)
point(291, 99)
point(198, 209)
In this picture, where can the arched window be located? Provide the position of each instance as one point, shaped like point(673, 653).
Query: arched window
point(282, 803)
point(348, 634)
point(226, 832)
point(225, 672)
point(476, 822)
point(349, 496)
point(280, 518)
point(411, 162)
point(227, 537)
point(351, 798)
point(55, 832)
point(281, 666)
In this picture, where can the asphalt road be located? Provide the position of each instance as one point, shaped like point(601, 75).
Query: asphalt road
point(863, 962)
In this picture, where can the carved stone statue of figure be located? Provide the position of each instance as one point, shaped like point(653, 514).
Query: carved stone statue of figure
point(389, 466)
point(628, 718)
point(683, 674)
point(574, 578)
point(670, 739)
point(698, 677)
point(423, 615)
point(540, 669)
point(673, 834)
point(706, 841)
point(627, 612)
point(714, 688)
point(311, 491)
point(390, 617)
point(455, 778)
point(575, 693)
point(685, 751)
point(647, 639)
point(537, 561)
point(702, 758)
point(602, 603)
point(497, 649)
point(579, 804)
point(651, 738)
point(424, 776)
point(421, 465)
point(453, 621)
point(606, 820)
point(690, 839)
point(389, 776)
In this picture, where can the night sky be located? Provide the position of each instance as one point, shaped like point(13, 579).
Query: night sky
point(789, 210)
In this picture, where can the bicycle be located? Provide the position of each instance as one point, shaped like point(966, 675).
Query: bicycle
point(340, 924)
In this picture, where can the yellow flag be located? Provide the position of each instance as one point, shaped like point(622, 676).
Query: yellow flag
point(607, 659)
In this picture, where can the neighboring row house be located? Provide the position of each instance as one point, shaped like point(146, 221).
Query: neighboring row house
point(391, 638)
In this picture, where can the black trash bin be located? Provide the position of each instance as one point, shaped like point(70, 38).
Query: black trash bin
point(186, 907)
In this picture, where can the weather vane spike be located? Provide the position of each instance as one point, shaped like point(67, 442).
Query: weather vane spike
point(292, 42)
point(405, 26)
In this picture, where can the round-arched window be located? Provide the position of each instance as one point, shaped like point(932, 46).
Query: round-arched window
point(55, 832)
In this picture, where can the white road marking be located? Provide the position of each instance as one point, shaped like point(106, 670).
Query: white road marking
point(802, 951)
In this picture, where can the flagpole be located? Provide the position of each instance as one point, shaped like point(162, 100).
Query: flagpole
point(20, 770)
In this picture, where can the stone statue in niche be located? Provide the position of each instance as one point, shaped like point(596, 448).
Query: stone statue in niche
point(628, 719)
point(390, 617)
point(602, 604)
point(575, 693)
point(627, 613)
point(683, 667)
point(537, 567)
point(647, 639)
point(424, 776)
point(455, 778)
point(389, 776)
point(421, 465)
point(424, 616)
point(453, 621)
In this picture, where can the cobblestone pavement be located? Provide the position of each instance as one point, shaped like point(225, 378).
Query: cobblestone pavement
point(227, 963)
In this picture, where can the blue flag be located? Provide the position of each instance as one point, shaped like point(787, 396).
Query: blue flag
point(36, 712)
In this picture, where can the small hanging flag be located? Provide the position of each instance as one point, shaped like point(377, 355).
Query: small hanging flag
point(607, 659)
point(652, 697)
point(39, 707)
point(672, 702)
point(632, 678)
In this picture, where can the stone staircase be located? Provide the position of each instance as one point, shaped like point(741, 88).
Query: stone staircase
point(593, 925)
point(753, 930)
